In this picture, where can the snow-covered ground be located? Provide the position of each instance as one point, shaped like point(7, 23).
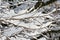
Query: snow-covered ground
point(20, 24)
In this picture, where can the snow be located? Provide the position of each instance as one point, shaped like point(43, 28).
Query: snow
point(27, 24)
point(42, 38)
point(10, 31)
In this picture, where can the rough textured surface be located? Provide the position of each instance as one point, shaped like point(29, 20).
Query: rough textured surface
point(18, 22)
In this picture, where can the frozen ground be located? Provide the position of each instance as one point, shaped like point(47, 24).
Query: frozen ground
point(20, 24)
